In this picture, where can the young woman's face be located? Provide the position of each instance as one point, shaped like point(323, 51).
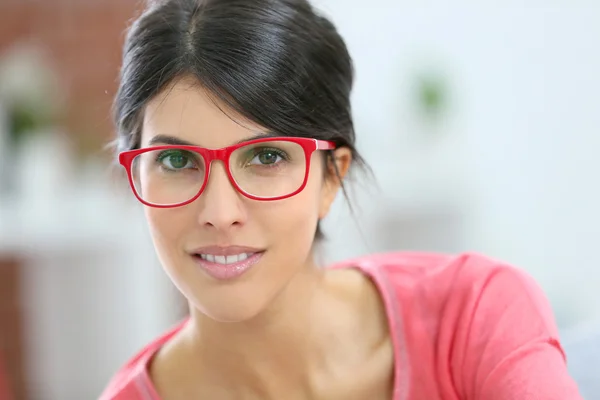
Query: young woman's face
point(276, 236)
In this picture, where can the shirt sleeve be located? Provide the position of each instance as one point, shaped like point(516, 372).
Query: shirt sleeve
point(510, 344)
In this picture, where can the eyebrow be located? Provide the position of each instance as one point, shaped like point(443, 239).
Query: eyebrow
point(170, 140)
point(175, 141)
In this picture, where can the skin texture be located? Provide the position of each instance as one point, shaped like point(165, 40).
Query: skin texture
point(286, 328)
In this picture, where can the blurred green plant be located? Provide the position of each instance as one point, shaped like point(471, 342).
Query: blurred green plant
point(30, 92)
point(25, 121)
point(431, 95)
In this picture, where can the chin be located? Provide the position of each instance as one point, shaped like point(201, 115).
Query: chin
point(236, 303)
point(237, 300)
point(232, 313)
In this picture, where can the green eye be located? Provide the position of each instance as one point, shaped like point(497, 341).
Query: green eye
point(267, 156)
point(176, 159)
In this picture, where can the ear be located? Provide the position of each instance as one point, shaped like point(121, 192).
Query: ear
point(342, 158)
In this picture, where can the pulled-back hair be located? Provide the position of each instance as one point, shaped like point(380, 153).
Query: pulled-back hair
point(277, 63)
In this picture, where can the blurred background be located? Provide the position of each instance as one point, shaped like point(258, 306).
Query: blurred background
point(481, 123)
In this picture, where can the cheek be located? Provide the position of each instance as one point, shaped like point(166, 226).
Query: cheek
point(291, 217)
point(167, 228)
point(295, 218)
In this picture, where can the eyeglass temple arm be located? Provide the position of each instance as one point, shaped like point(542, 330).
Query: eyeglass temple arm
point(325, 145)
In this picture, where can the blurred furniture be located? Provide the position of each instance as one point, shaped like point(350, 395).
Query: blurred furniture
point(11, 331)
point(4, 387)
point(80, 273)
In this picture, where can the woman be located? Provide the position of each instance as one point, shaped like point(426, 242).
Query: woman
point(235, 129)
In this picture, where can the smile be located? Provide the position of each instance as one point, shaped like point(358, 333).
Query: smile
point(225, 260)
point(226, 263)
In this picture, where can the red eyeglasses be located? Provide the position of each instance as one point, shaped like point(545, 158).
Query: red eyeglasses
point(263, 169)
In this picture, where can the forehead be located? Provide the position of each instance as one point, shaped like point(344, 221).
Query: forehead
point(186, 110)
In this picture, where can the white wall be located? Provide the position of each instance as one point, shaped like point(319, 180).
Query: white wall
point(517, 160)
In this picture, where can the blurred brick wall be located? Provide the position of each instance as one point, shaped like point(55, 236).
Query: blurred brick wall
point(11, 332)
point(83, 38)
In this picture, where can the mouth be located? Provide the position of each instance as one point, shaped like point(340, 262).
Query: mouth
point(226, 263)
point(224, 260)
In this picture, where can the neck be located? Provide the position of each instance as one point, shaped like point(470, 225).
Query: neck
point(282, 347)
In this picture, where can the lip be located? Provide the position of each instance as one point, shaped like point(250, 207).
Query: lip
point(226, 272)
point(225, 250)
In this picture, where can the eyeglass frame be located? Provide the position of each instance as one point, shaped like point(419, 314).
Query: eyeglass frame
point(309, 145)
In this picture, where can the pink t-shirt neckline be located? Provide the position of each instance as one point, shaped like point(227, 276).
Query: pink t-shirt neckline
point(394, 319)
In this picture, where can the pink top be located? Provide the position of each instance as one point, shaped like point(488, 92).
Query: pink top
point(463, 328)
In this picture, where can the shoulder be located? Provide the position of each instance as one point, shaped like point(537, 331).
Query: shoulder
point(438, 278)
point(443, 297)
point(129, 381)
point(486, 316)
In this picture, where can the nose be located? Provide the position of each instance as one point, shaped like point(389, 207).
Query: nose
point(220, 204)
